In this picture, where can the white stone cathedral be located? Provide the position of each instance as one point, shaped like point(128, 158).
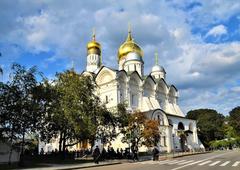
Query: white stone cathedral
point(149, 94)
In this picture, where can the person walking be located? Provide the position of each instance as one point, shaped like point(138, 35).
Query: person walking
point(96, 155)
point(155, 153)
point(135, 152)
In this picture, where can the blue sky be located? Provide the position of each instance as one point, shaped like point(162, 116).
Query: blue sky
point(197, 41)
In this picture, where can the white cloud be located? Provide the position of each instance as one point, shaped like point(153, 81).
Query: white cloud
point(64, 28)
point(217, 31)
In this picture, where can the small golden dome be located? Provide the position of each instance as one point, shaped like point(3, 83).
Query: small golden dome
point(129, 46)
point(93, 47)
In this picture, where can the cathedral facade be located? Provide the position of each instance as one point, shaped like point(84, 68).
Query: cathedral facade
point(147, 93)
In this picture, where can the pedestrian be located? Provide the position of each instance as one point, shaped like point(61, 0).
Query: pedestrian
point(135, 152)
point(103, 155)
point(42, 151)
point(96, 155)
point(155, 153)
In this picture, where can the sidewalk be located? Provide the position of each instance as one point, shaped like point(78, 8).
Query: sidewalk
point(77, 166)
point(112, 162)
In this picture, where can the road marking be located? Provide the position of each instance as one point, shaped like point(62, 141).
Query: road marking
point(225, 163)
point(171, 162)
point(164, 162)
point(178, 161)
point(215, 156)
point(182, 163)
point(214, 163)
point(204, 163)
point(236, 163)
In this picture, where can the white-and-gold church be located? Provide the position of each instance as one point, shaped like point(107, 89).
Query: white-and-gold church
point(147, 93)
point(150, 94)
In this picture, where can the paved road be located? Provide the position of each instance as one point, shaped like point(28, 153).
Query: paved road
point(220, 160)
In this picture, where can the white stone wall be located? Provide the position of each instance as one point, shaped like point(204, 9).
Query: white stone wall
point(189, 124)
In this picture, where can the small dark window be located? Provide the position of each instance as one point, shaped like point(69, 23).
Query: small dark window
point(106, 99)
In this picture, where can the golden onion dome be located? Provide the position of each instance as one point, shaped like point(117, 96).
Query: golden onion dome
point(129, 46)
point(93, 47)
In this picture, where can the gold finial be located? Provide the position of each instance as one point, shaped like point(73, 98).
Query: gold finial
point(94, 34)
point(129, 37)
point(156, 58)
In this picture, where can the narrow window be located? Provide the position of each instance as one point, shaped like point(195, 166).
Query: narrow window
point(164, 140)
point(106, 99)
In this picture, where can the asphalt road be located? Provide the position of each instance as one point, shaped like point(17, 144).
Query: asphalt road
point(220, 160)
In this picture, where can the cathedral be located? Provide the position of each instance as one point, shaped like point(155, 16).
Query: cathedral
point(147, 93)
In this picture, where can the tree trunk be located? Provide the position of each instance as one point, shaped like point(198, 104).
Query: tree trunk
point(60, 143)
point(64, 145)
point(11, 149)
point(21, 162)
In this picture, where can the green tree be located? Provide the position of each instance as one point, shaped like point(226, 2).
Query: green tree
point(234, 119)
point(141, 131)
point(19, 109)
point(210, 124)
point(76, 113)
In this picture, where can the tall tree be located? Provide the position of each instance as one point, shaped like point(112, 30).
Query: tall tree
point(77, 113)
point(19, 114)
point(234, 119)
point(210, 124)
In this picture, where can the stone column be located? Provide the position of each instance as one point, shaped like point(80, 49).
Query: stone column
point(169, 140)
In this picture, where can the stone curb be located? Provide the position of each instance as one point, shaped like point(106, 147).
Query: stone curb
point(91, 166)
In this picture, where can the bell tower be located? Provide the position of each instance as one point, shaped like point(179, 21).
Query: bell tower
point(94, 60)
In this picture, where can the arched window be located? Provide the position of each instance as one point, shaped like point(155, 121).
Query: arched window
point(160, 120)
point(180, 126)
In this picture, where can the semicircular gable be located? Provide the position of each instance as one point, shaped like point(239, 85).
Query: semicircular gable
point(173, 91)
point(161, 116)
point(104, 76)
point(162, 86)
point(135, 77)
point(122, 75)
point(149, 86)
point(149, 80)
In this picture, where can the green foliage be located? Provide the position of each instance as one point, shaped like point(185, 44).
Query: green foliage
point(210, 124)
point(19, 106)
point(141, 131)
point(20, 109)
point(234, 119)
point(76, 112)
point(225, 143)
